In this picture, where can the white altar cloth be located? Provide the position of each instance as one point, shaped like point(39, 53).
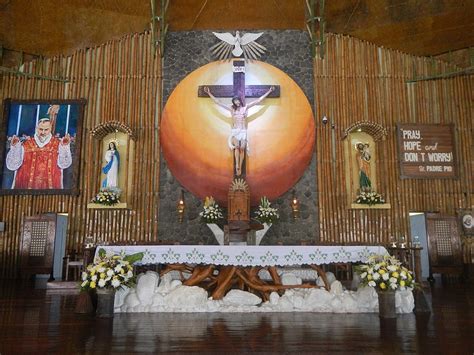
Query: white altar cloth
point(246, 255)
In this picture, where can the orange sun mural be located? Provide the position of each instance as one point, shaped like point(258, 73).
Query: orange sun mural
point(195, 132)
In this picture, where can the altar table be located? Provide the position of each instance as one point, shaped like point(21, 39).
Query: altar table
point(219, 268)
point(247, 255)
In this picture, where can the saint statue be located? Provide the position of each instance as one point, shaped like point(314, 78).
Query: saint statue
point(363, 159)
point(111, 169)
point(238, 141)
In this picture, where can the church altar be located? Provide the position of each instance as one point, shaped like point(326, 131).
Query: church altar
point(247, 255)
point(219, 276)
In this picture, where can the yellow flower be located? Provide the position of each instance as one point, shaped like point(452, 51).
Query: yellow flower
point(402, 283)
point(381, 271)
point(92, 284)
point(369, 277)
point(122, 271)
point(395, 274)
point(102, 275)
point(92, 272)
point(383, 286)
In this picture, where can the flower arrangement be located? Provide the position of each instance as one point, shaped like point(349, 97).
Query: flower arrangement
point(110, 272)
point(108, 197)
point(266, 213)
point(385, 273)
point(212, 212)
point(369, 198)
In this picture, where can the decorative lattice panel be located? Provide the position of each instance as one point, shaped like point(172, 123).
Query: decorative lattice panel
point(39, 237)
point(443, 238)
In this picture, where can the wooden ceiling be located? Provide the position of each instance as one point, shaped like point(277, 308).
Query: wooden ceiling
point(420, 27)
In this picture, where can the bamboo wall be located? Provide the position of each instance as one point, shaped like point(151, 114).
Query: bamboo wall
point(121, 81)
point(358, 81)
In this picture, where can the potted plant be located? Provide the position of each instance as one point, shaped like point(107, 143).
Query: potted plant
point(107, 197)
point(385, 274)
point(266, 214)
point(369, 197)
point(105, 275)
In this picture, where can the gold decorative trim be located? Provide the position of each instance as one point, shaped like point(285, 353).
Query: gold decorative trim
point(101, 130)
point(377, 131)
point(239, 185)
point(117, 206)
point(361, 206)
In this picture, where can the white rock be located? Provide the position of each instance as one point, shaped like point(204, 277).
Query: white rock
point(139, 308)
point(336, 305)
point(120, 295)
point(213, 305)
point(146, 285)
point(298, 301)
point(330, 278)
point(404, 301)
point(349, 303)
point(186, 297)
point(158, 299)
point(336, 288)
point(175, 283)
point(274, 298)
point(319, 299)
point(367, 299)
point(355, 281)
point(165, 284)
point(241, 298)
point(284, 304)
point(290, 279)
point(130, 301)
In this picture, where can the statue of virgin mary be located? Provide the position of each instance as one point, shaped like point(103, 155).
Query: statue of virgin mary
point(111, 169)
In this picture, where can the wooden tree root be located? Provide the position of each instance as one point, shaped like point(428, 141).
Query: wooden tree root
point(245, 278)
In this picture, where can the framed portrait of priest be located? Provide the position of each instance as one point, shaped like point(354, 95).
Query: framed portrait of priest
point(40, 145)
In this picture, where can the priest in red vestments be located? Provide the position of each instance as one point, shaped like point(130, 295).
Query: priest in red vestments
point(39, 162)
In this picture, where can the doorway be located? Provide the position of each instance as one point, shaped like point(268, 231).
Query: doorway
point(418, 234)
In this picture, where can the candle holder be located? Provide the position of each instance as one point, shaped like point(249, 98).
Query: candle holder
point(181, 207)
point(403, 243)
point(295, 206)
point(393, 242)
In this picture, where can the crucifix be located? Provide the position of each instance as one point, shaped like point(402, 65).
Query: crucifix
point(239, 92)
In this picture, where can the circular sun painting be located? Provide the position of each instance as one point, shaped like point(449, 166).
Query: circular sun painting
point(195, 133)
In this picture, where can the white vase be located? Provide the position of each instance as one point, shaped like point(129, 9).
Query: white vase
point(217, 231)
point(261, 233)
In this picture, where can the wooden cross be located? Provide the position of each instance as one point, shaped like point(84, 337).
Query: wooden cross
point(239, 89)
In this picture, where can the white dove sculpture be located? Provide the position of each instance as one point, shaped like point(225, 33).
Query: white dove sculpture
point(237, 45)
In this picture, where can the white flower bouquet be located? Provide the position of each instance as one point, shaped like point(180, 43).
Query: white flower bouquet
point(107, 197)
point(266, 213)
point(212, 213)
point(369, 198)
point(385, 273)
point(110, 272)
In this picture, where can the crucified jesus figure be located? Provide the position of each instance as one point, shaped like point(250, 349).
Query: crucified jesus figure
point(238, 136)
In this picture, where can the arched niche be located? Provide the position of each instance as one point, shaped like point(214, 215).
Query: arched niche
point(361, 152)
point(121, 138)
